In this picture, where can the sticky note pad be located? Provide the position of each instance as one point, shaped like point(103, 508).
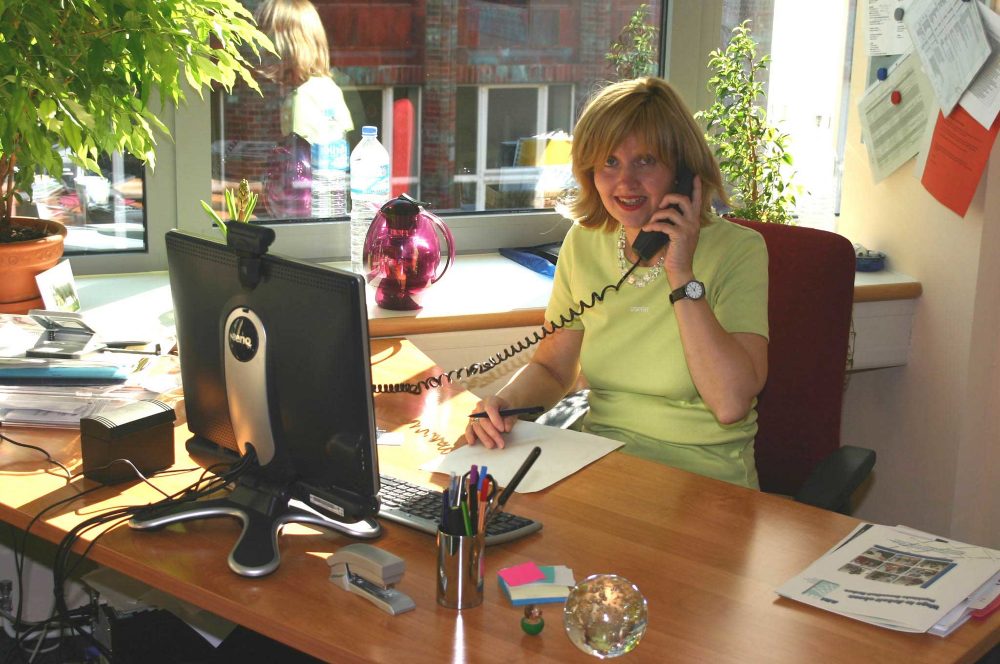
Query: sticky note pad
point(518, 575)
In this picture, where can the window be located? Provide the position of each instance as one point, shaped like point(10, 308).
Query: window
point(474, 100)
point(806, 96)
point(471, 97)
point(102, 213)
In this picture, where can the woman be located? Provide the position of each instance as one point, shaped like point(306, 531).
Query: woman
point(674, 359)
point(313, 111)
point(303, 69)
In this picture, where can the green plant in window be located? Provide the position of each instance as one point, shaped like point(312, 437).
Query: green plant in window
point(632, 53)
point(239, 206)
point(752, 154)
point(81, 78)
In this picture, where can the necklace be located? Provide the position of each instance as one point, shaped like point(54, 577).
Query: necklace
point(624, 265)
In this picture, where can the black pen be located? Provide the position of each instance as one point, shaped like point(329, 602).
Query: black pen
point(504, 412)
point(518, 476)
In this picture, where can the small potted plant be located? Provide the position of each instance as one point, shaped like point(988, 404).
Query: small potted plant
point(240, 206)
point(753, 155)
point(78, 80)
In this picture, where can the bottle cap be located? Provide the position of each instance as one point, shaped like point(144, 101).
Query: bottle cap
point(368, 130)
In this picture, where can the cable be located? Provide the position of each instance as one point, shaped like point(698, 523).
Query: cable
point(110, 517)
point(481, 367)
point(48, 457)
point(113, 517)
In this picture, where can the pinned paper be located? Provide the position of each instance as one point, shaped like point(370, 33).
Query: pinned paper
point(982, 99)
point(952, 45)
point(893, 132)
point(957, 156)
point(518, 575)
point(886, 34)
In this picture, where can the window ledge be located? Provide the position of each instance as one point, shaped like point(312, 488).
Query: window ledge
point(479, 291)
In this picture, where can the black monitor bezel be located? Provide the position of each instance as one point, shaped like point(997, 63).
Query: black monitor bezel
point(317, 320)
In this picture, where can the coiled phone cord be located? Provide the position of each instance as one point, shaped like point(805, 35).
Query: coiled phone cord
point(477, 368)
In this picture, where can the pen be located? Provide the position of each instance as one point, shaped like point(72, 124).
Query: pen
point(125, 343)
point(133, 352)
point(518, 476)
point(504, 412)
point(444, 511)
point(466, 518)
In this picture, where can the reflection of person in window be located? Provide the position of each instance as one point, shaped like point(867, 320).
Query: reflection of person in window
point(303, 67)
point(674, 366)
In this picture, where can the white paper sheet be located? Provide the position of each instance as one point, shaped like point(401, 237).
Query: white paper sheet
point(982, 99)
point(893, 133)
point(952, 45)
point(563, 453)
point(886, 35)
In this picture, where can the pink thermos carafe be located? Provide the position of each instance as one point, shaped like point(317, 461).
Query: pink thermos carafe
point(402, 253)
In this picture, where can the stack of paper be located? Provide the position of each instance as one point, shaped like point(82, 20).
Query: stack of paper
point(902, 579)
point(529, 583)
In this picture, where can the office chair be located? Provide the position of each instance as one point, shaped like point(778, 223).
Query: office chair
point(810, 300)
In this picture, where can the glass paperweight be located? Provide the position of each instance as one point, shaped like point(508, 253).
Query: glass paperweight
point(605, 616)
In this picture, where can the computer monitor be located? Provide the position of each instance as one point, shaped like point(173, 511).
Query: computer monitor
point(275, 362)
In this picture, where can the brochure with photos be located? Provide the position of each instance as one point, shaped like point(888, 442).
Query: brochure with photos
point(900, 578)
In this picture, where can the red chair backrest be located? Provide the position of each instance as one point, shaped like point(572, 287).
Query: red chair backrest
point(810, 300)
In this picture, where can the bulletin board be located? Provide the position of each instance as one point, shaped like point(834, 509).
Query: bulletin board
point(933, 93)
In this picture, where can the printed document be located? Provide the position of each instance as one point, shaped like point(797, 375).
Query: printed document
point(894, 132)
point(899, 578)
point(886, 35)
point(982, 99)
point(952, 45)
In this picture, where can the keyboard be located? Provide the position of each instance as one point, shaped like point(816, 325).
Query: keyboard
point(420, 508)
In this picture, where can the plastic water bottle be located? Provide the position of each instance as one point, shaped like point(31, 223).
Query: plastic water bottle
point(370, 178)
point(329, 171)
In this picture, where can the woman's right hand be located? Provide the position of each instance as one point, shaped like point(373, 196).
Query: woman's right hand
point(488, 430)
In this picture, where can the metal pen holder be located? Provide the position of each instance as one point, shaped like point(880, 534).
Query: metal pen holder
point(460, 570)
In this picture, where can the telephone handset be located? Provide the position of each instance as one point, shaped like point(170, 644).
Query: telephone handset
point(647, 243)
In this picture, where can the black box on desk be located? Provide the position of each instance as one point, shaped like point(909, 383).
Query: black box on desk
point(142, 432)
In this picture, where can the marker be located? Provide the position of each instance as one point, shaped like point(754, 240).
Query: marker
point(504, 412)
point(518, 476)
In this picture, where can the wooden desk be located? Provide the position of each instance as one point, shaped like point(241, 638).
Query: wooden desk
point(707, 555)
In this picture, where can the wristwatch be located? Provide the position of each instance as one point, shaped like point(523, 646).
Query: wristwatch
point(693, 290)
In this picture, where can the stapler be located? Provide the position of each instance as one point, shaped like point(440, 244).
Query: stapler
point(369, 571)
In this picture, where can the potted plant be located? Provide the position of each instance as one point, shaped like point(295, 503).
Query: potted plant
point(77, 78)
point(752, 154)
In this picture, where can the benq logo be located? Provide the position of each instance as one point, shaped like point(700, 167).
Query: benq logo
point(243, 339)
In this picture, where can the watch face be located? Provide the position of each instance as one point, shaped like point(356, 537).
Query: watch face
point(694, 290)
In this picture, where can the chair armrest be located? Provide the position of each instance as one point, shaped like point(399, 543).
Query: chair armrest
point(567, 412)
point(835, 478)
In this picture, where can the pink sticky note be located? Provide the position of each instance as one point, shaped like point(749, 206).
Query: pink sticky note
point(518, 575)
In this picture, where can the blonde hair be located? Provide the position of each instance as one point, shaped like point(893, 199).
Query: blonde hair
point(654, 113)
point(299, 39)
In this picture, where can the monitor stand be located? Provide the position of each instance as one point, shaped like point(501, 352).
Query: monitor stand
point(263, 509)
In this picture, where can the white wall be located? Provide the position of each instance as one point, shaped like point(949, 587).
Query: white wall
point(933, 422)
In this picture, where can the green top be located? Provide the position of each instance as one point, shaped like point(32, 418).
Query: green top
point(304, 111)
point(641, 390)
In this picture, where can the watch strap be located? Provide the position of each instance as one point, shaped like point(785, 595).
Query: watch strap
point(682, 292)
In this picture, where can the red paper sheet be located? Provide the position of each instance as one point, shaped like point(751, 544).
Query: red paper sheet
point(956, 159)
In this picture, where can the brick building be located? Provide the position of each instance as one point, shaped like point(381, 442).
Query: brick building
point(430, 58)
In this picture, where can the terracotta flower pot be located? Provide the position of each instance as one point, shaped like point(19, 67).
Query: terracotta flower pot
point(21, 261)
